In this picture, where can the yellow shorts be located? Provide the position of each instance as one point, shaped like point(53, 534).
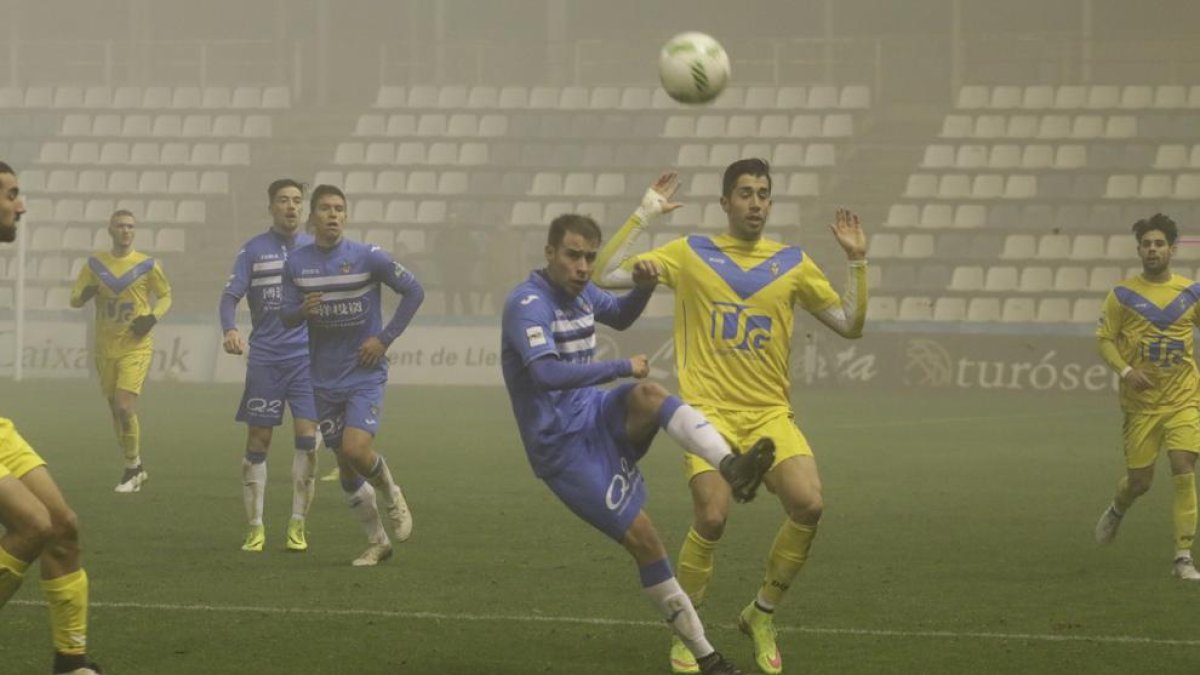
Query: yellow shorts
point(1145, 435)
point(16, 457)
point(742, 428)
point(127, 372)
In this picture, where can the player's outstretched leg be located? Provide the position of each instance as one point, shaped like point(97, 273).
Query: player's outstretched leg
point(745, 472)
point(688, 427)
point(356, 448)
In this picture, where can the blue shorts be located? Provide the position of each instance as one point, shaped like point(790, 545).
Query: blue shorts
point(601, 482)
point(341, 408)
point(269, 386)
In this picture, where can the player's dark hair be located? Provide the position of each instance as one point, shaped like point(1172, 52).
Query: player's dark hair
point(572, 222)
point(1160, 222)
point(744, 167)
point(321, 191)
point(5, 168)
point(275, 186)
point(121, 212)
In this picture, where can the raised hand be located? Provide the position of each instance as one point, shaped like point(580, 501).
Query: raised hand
point(658, 197)
point(849, 234)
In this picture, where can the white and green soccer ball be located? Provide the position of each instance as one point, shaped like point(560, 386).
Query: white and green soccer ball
point(693, 67)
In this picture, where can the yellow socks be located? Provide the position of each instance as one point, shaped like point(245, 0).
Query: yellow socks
point(695, 566)
point(787, 557)
point(12, 573)
point(68, 599)
point(1184, 510)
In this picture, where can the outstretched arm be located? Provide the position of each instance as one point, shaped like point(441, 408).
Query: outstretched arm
point(612, 270)
point(620, 312)
point(847, 317)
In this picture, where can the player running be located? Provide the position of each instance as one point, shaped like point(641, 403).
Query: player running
point(334, 285)
point(584, 442)
point(1146, 336)
point(277, 372)
point(122, 282)
point(735, 295)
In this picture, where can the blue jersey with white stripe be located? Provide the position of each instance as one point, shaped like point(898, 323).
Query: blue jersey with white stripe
point(540, 320)
point(257, 276)
point(348, 277)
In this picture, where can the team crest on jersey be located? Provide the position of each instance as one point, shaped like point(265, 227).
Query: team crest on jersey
point(774, 268)
point(345, 267)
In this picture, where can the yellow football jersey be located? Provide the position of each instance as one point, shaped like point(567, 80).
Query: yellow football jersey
point(734, 314)
point(1151, 326)
point(124, 286)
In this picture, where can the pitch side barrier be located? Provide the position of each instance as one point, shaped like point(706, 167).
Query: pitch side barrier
point(1019, 357)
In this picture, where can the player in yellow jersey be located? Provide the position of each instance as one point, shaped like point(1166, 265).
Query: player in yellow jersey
point(735, 295)
point(1145, 335)
point(123, 281)
point(37, 521)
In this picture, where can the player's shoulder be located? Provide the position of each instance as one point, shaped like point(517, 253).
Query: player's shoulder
point(258, 241)
point(528, 296)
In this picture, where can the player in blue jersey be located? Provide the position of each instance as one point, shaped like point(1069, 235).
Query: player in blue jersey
point(277, 371)
point(585, 442)
point(334, 284)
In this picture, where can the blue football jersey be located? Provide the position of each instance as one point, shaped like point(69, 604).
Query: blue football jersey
point(348, 276)
point(539, 320)
point(258, 277)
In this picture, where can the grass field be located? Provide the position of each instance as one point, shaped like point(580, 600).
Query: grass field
point(957, 539)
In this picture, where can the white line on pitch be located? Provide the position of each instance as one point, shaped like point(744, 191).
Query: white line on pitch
point(595, 621)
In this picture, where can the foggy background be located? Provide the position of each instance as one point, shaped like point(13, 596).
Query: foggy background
point(997, 153)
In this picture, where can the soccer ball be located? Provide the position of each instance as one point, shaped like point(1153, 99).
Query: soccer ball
point(693, 67)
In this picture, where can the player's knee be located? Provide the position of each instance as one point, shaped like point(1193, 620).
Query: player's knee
point(710, 522)
point(65, 528)
point(648, 396)
point(258, 440)
point(123, 409)
point(807, 512)
point(35, 528)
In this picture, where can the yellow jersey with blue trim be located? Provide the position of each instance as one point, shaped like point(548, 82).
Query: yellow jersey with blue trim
point(124, 287)
point(1149, 326)
point(734, 316)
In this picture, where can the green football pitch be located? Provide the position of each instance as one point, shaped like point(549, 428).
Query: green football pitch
point(956, 539)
